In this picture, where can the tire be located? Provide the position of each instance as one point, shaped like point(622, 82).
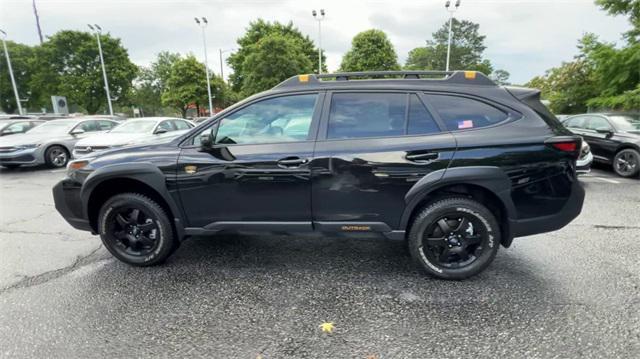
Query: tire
point(143, 238)
point(11, 167)
point(626, 163)
point(446, 246)
point(56, 156)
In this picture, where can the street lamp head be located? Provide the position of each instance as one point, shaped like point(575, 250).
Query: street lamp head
point(457, 4)
point(447, 4)
point(322, 12)
point(91, 27)
point(97, 27)
point(204, 19)
point(197, 21)
point(314, 13)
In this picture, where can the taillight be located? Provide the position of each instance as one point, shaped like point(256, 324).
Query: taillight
point(567, 144)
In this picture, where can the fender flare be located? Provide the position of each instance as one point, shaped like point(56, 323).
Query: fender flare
point(490, 178)
point(144, 172)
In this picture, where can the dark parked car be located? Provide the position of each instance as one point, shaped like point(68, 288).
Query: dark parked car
point(15, 126)
point(614, 139)
point(456, 166)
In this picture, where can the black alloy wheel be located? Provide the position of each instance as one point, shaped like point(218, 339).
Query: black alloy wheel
point(626, 163)
point(454, 238)
point(136, 230)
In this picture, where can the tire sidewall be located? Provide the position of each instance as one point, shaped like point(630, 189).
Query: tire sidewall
point(165, 238)
point(439, 209)
point(636, 154)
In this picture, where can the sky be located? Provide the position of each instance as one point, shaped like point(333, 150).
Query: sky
point(524, 37)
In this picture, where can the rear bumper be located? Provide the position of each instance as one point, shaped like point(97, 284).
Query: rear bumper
point(537, 225)
point(66, 195)
point(583, 165)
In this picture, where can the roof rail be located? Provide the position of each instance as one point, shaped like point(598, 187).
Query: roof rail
point(451, 77)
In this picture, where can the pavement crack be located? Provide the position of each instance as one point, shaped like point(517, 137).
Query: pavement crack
point(604, 226)
point(45, 277)
point(26, 219)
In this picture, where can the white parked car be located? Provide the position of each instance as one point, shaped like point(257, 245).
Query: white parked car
point(130, 132)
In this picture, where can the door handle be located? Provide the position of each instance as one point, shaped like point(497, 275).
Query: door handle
point(289, 162)
point(422, 157)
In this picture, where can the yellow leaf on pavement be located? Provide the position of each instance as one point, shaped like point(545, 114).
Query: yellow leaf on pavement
point(327, 327)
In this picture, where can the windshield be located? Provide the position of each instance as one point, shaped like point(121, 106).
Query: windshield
point(54, 127)
point(626, 122)
point(135, 127)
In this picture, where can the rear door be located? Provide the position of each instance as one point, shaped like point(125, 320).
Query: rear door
point(372, 148)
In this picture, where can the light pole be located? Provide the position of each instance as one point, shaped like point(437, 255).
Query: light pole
point(451, 11)
point(13, 80)
point(203, 24)
point(319, 20)
point(98, 30)
point(221, 63)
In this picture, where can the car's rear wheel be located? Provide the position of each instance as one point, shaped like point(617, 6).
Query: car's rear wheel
point(56, 156)
point(626, 163)
point(136, 230)
point(454, 238)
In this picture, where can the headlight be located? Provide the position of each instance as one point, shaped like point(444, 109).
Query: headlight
point(24, 147)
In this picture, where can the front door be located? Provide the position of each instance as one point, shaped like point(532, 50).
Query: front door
point(258, 171)
point(372, 148)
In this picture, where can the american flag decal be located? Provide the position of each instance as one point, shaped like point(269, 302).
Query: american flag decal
point(465, 124)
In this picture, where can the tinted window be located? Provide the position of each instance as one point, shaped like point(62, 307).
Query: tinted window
point(17, 127)
point(356, 115)
point(576, 122)
point(281, 119)
point(420, 120)
point(165, 125)
point(89, 126)
point(105, 125)
point(181, 125)
point(461, 113)
point(594, 123)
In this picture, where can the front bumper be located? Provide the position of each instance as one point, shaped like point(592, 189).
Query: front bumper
point(66, 196)
point(28, 156)
point(537, 225)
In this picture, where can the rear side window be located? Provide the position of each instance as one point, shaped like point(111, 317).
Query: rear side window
point(462, 113)
point(576, 122)
point(420, 120)
point(596, 123)
point(181, 125)
point(357, 115)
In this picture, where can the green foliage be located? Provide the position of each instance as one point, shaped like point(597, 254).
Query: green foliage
point(274, 58)
point(501, 77)
point(630, 8)
point(250, 42)
point(600, 77)
point(370, 50)
point(69, 65)
point(151, 83)
point(187, 85)
point(23, 64)
point(467, 46)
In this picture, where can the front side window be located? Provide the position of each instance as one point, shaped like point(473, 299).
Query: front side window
point(358, 115)
point(165, 125)
point(105, 125)
point(89, 126)
point(280, 119)
point(576, 122)
point(598, 123)
point(462, 113)
point(181, 125)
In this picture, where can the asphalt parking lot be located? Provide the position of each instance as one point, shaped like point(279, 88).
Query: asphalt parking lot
point(572, 293)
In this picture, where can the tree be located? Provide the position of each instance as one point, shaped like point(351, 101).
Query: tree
point(274, 58)
point(70, 66)
point(501, 77)
point(151, 83)
point(630, 8)
point(467, 47)
point(23, 68)
point(187, 85)
point(370, 50)
point(250, 42)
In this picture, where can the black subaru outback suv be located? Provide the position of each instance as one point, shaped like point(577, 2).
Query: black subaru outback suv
point(454, 165)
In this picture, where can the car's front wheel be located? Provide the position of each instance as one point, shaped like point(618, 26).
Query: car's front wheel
point(626, 163)
point(136, 230)
point(454, 238)
point(56, 156)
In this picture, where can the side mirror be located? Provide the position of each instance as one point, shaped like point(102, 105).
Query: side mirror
point(206, 141)
point(77, 131)
point(605, 130)
point(161, 130)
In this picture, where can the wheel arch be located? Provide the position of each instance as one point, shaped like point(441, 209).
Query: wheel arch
point(487, 185)
point(145, 179)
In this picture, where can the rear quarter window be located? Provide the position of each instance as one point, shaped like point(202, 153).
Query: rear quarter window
point(463, 113)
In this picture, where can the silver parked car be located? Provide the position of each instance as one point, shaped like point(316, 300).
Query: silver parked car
point(134, 131)
point(50, 143)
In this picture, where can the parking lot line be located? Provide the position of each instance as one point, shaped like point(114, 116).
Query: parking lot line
point(58, 171)
point(607, 180)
